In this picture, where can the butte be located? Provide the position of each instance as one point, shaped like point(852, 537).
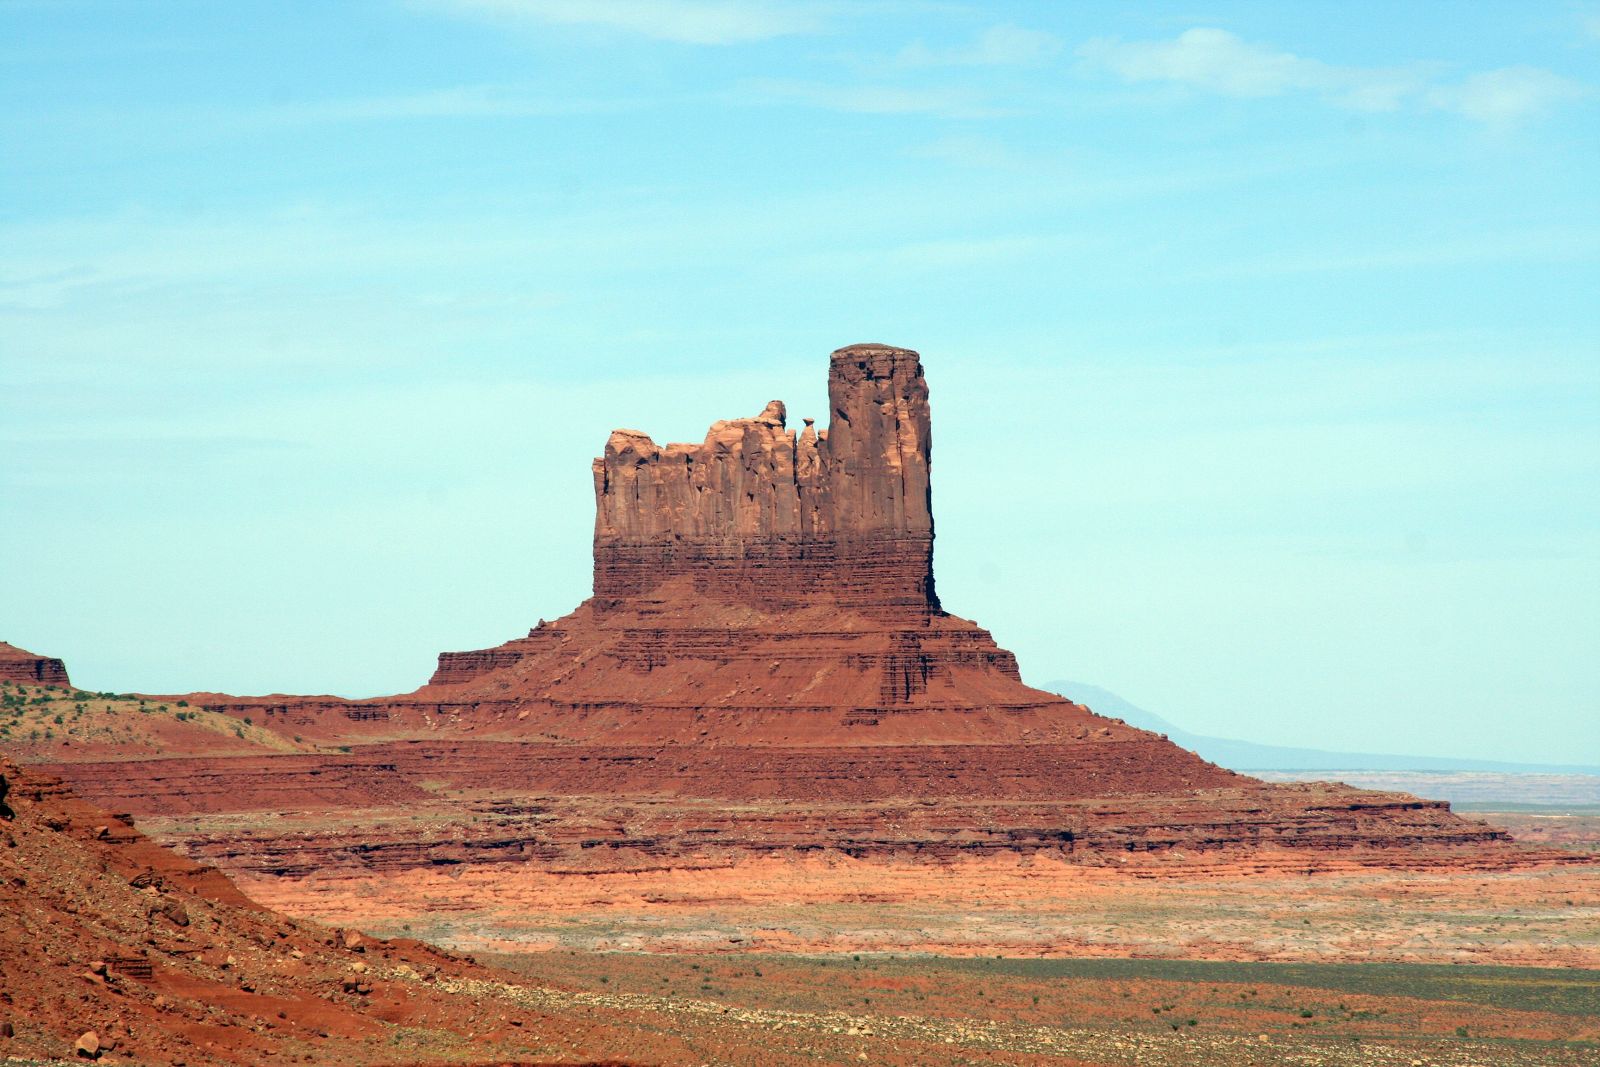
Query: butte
point(20, 665)
point(765, 668)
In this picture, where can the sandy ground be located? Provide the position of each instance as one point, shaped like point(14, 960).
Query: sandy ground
point(1540, 916)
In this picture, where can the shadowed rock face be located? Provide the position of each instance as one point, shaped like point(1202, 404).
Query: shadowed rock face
point(20, 665)
point(758, 512)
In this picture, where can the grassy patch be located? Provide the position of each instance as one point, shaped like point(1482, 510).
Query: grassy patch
point(1568, 992)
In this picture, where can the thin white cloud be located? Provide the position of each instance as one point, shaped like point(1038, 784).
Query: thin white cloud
point(42, 290)
point(998, 46)
point(1507, 96)
point(944, 254)
point(873, 99)
point(969, 151)
point(1221, 62)
point(1216, 61)
point(1542, 246)
point(467, 101)
point(706, 22)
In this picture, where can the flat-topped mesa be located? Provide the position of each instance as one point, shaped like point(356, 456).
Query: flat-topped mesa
point(759, 512)
point(20, 665)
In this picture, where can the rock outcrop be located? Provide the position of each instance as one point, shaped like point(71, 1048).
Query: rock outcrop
point(762, 513)
point(20, 665)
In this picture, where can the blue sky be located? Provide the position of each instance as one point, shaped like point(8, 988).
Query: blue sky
point(1263, 338)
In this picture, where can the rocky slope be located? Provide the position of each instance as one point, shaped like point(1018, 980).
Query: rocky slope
point(114, 949)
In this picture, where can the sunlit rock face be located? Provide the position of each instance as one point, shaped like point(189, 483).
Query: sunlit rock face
point(20, 665)
point(762, 513)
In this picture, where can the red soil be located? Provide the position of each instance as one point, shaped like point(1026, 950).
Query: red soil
point(115, 949)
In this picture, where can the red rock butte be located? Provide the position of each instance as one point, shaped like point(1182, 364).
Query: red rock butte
point(764, 666)
point(20, 665)
point(765, 599)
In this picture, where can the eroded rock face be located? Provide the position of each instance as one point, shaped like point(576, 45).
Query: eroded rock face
point(20, 665)
point(759, 512)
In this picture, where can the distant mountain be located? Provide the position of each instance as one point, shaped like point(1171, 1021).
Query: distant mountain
point(1250, 756)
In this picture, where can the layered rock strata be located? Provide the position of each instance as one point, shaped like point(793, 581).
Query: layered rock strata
point(20, 665)
point(764, 513)
point(117, 950)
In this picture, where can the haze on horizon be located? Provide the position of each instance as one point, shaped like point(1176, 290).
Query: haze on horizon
point(1263, 342)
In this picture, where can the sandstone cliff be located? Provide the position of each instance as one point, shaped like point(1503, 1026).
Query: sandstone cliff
point(759, 512)
point(20, 665)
